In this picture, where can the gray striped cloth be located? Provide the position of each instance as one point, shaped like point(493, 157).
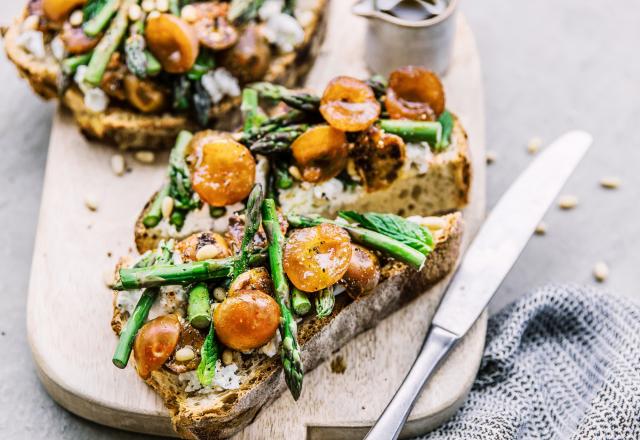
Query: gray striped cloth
point(561, 363)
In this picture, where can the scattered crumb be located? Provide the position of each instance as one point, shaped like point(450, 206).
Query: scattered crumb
point(118, 165)
point(601, 271)
point(491, 157)
point(338, 365)
point(568, 201)
point(534, 145)
point(2, 333)
point(109, 254)
point(145, 156)
point(91, 202)
point(363, 408)
point(108, 277)
point(610, 182)
point(541, 229)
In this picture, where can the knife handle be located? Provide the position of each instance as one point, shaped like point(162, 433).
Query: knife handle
point(436, 345)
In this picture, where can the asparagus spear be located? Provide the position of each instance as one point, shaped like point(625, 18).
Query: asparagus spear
point(208, 357)
point(289, 7)
point(136, 57)
point(250, 110)
point(101, 18)
point(199, 310)
point(153, 65)
point(368, 238)
point(283, 179)
point(108, 44)
point(300, 101)
point(187, 273)
point(140, 313)
point(71, 64)
point(414, 131)
point(154, 214)
point(253, 219)
point(179, 187)
point(273, 124)
point(243, 11)
point(300, 302)
point(278, 141)
point(290, 354)
point(325, 300)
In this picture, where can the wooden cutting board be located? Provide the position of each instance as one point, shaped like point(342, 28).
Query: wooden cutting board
point(69, 305)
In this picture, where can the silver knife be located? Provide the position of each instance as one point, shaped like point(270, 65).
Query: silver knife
point(493, 252)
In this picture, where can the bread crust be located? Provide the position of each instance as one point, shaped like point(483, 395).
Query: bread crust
point(130, 129)
point(199, 417)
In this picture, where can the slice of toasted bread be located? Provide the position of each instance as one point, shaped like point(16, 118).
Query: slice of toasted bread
point(221, 414)
point(131, 129)
point(441, 186)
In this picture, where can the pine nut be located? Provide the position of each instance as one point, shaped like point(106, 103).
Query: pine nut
point(227, 357)
point(135, 12)
point(76, 18)
point(167, 206)
point(185, 354)
point(433, 223)
point(219, 294)
point(610, 182)
point(189, 13)
point(534, 145)
point(31, 23)
point(145, 156)
point(207, 252)
point(541, 229)
point(601, 271)
point(153, 15)
point(162, 5)
point(117, 164)
point(148, 5)
point(568, 201)
point(91, 202)
point(295, 172)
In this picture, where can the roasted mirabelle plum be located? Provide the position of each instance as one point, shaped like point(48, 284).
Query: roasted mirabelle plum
point(254, 279)
point(155, 343)
point(348, 104)
point(211, 25)
point(414, 93)
point(247, 320)
point(76, 41)
point(248, 60)
point(173, 42)
point(58, 10)
point(321, 153)
point(143, 95)
point(317, 257)
point(216, 246)
point(223, 170)
point(363, 273)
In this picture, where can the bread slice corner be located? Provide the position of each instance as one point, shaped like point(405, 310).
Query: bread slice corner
point(129, 129)
point(220, 415)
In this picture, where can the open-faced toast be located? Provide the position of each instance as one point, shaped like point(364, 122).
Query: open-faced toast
point(124, 125)
point(382, 167)
point(206, 413)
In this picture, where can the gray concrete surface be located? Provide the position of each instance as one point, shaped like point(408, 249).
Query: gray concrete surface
point(548, 67)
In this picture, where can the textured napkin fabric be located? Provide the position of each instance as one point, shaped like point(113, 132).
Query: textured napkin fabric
point(562, 363)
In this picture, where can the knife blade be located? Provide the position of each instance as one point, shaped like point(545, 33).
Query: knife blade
point(491, 255)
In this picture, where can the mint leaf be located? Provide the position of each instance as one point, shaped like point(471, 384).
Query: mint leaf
point(394, 226)
point(209, 353)
point(447, 122)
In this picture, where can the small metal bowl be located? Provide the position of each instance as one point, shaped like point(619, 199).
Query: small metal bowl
point(392, 42)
